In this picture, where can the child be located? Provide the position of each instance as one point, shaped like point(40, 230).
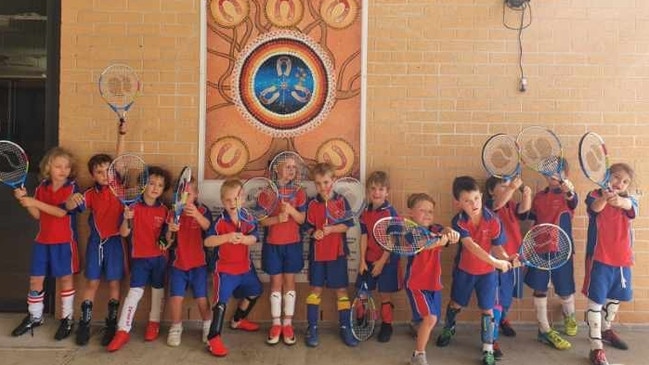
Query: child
point(383, 268)
point(189, 264)
point(423, 274)
point(282, 251)
point(480, 232)
point(148, 262)
point(105, 250)
point(54, 252)
point(327, 256)
point(235, 274)
point(609, 257)
point(499, 194)
point(555, 204)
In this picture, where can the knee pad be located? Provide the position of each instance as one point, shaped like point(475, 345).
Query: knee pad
point(313, 299)
point(343, 303)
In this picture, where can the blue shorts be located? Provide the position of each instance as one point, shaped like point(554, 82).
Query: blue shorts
point(424, 303)
point(105, 259)
point(563, 279)
point(246, 285)
point(282, 259)
point(55, 260)
point(484, 285)
point(194, 279)
point(388, 280)
point(604, 282)
point(330, 274)
point(510, 285)
point(148, 271)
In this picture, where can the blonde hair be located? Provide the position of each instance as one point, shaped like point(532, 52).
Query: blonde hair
point(55, 152)
point(229, 185)
point(322, 169)
point(414, 199)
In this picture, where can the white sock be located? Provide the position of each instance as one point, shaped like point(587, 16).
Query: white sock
point(289, 306)
point(35, 304)
point(276, 307)
point(541, 305)
point(568, 305)
point(157, 296)
point(67, 303)
point(488, 347)
point(206, 330)
point(128, 310)
point(594, 321)
point(610, 311)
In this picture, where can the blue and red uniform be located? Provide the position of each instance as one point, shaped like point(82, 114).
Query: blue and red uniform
point(234, 274)
point(389, 279)
point(551, 206)
point(282, 251)
point(423, 281)
point(188, 261)
point(148, 261)
point(328, 256)
point(105, 249)
point(469, 272)
point(609, 252)
point(55, 250)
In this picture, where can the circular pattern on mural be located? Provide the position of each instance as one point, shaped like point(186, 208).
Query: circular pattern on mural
point(339, 14)
point(339, 153)
point(284, 13)
point(229, 13)
point(284, 84)
point(228, 155)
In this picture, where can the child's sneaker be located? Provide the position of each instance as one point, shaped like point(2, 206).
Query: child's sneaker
point(506, 328)
point(348, 337)
point(288, 334)
point(614, 340)
point(274, 334)
point(175, 335)
point(498, 352)
point(28, 324)
point(418, 359)
point(385, 333)
point(553, 338)
point(65, 328)
point(120, 339)
point(597, 357)
point(570, 325)
point(109, 332)
point(244, 325)
point(216, 346)
point(83, 333)
point(311, 337)
point(445, 337)
point(488, 358)
point(152, 331)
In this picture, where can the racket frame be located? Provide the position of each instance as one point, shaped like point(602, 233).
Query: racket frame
point(269, 186)
point(516, 149)
point(370, 312)
point(122, 109)
point(112, 177)
point(526, 246)
point(604, 184)
point(18, 183)
point(558, 173)
point(381, 228)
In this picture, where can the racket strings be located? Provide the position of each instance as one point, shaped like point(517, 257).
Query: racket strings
point(540, 149)
point(363, 316)
point(500, 155)
point(127, 177)
point(294, 165)
point(400, 237)
point(260, 197)
point(546, 247)
point(13, 163)
point(119, 85)
point(594, 158)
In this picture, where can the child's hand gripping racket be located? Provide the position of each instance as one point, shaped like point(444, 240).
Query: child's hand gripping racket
point(127, 178)
point(404, 237)
point(594, 161)
point(260, 197)
point(119, 86)
point(545, 247)
point(363, 311)
point(14, 165)
point(501, 157)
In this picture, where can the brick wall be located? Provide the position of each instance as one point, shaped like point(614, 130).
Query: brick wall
point(442, 77)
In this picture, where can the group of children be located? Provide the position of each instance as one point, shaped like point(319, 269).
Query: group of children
point(488, 235)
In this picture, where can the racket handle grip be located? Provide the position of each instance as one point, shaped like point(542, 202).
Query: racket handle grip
point(172, 236)
point(129, 223)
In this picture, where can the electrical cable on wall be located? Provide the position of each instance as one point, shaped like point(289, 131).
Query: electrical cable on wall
point(521, 6)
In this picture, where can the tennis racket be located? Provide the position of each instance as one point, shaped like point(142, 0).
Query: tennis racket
point(180, 195)
point(260, 197)
point(119, 86)
point(545, 247)
point(403, 236)
point(501, 157)
point(363, 312)
point(14, 165)
point(541, 151)
point(348, 202)
point(243, 214)
point(593, 159)
point(288, 165)
point(127, 178)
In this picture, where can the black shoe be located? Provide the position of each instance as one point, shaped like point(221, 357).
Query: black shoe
point(109, 332)
point(28, 324)
point(506, 328)
point(65, 328)
point(83, 333)
point(385, 332)
point(498, 352)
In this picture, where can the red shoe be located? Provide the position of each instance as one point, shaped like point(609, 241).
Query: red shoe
point(244, 325)
point(216, 347)
point(120, 339)
point(288, 334)
point(152, 331)
point(273, 334)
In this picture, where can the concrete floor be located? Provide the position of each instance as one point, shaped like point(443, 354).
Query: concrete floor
point(250, 348)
